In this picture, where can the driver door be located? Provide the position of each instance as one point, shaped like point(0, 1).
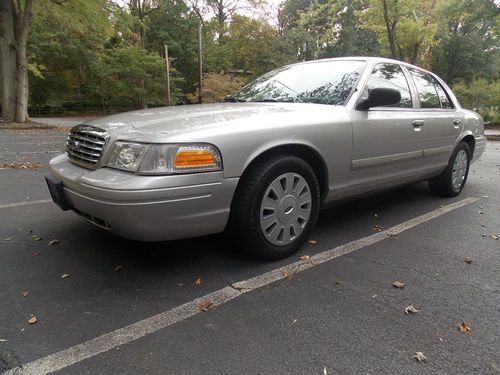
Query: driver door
point(387, 141)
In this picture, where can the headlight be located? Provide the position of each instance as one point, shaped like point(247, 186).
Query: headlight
point(157, 159)
point(171, 159)
point(127, 155)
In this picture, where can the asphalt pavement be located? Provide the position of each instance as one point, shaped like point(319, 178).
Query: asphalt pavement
point(340, 316)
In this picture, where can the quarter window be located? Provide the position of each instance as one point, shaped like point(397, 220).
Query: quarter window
point(427, 93)
point(391, 76)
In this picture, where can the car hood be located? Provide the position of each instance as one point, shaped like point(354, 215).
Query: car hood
point(179, 122)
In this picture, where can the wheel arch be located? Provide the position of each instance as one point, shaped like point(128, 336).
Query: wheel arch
point(303, 151)
point(471, 142)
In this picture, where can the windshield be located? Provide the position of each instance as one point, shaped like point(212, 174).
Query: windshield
point(323, 82)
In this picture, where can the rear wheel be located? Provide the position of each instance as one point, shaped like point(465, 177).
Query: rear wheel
point(275, 207)
point(451, 182)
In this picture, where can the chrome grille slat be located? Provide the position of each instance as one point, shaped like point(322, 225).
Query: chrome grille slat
point(80, 157)
point(83, 138)
point(85, 145)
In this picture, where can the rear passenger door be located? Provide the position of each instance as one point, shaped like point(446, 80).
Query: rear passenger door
point(441, 123)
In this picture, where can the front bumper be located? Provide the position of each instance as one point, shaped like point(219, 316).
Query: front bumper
point(147, 208)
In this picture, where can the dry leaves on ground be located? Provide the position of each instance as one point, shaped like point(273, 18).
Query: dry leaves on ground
point(468, 260)
point(118, 267)
point(411, 310)
point(24, 165)
point(495, 237)
point(463, 327)
point(32, 320)
point(65, 275)
point(398, 284)
point(36, 253)
point(53, 242)
point(377, 228)
point(36, 238)
point(287, 274)
point(24, 293)
point(419, 356)
point(204, 305)
point(305, 258)
point(198, 281)
point(337, 281)
point(312, 242)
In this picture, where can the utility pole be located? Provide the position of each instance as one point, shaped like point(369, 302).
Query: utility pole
point(167, 68)
point(200, 64)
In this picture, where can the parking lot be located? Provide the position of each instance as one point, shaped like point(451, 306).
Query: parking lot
point(101, 304)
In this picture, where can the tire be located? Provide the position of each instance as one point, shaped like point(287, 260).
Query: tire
point(275, 207)
point(451, 182)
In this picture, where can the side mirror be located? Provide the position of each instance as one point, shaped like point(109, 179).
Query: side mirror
point(378, 97)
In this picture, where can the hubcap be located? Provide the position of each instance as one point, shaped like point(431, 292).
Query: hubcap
point(285, 209)
point(459, 170)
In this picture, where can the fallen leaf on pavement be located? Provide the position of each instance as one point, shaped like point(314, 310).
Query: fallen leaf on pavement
point(463, 327)
point(411, 310)
point(494, 237)
point(305, 258)
point(24, 293)
point(468, 260)
point(419, 356)
point(287, 274)
point(338, 282)
point(7, 239)
point(312, 242)
point(36, 238)
point(398, 284)
point(26, 165)
point(198, 281)
point(375, 215)
point(3, 340)
point(53, 242)
point(204, 305)
point(65, 275)
point(324, 371)
point(32, 320)
point(36, 253)
point(377, 228)
point(118, 267)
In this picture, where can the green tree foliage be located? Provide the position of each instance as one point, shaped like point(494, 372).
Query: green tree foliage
point(109, 55)
point(467, 38)
point(215, 87)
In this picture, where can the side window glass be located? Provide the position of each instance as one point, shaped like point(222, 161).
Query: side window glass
point(391, 76)
point(426, 89)
point(443, 96)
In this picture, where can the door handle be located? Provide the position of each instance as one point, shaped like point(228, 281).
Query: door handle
point(417, 125)
point(457, 122)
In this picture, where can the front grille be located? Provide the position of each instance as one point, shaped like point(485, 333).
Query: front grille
point(85, 145)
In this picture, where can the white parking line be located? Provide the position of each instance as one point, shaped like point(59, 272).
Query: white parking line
point(121, 336)
point(25, 203)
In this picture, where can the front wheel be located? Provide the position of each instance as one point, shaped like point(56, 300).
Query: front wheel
point(275, 207)
point(451, 182)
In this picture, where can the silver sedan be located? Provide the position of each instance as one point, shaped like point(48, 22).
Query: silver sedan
point(263, 163)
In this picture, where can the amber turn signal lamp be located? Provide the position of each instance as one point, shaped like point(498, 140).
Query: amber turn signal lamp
point(194, 158)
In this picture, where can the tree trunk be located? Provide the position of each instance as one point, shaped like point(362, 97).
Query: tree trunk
point(8, 62)
point(15, 17)
point(391, 29)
